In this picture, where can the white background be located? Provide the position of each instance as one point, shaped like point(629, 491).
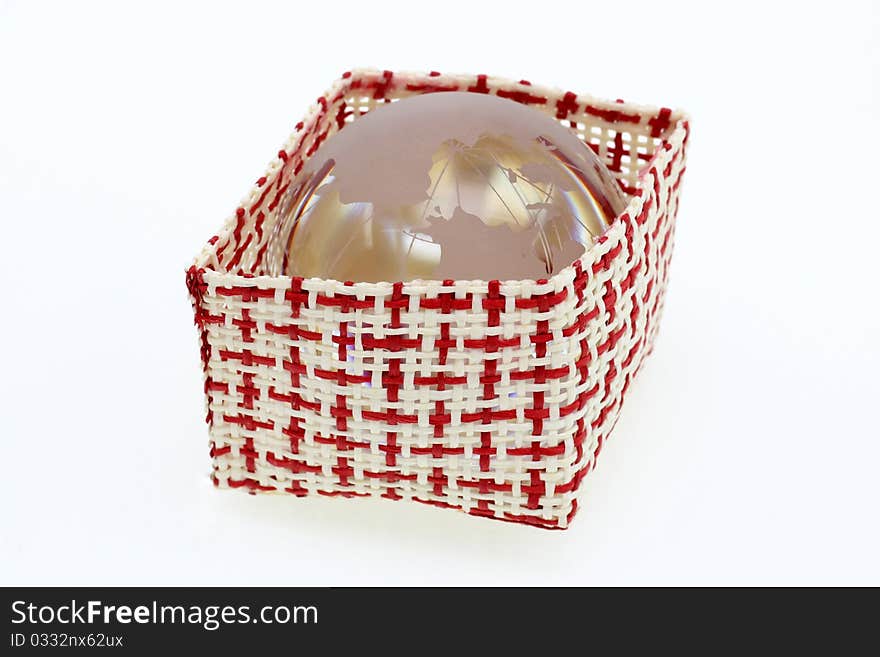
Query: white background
point(749, 450)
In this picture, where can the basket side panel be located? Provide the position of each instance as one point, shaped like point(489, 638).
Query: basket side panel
point(451, 395)
point(635, 275)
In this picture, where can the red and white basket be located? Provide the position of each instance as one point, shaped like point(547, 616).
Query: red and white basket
point(491, 397)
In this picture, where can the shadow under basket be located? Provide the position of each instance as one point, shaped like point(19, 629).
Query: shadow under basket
point(490, 397)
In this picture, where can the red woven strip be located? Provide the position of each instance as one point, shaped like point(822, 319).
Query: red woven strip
point(660, 122)
point(196, 286)
point(485, 486)
point(295, 466)
point(612, 116)
point(391, 382)
point(427, 87)
point(250, 484)
point(248, 422)
point(522, 97)
point(566, 105)
point(481, 87)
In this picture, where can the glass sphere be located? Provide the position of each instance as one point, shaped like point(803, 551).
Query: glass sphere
point(441, 186)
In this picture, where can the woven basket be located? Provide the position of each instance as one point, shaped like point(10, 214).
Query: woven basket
point(489, 397)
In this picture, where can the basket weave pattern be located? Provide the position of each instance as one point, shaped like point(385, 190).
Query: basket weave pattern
point(490, 397)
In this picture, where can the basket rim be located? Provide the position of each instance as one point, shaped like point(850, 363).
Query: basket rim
point(671, 142)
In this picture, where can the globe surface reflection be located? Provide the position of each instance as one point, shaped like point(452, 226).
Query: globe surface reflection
point(441, 186)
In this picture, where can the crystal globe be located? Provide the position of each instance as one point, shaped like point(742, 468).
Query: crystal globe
point(441, 186)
